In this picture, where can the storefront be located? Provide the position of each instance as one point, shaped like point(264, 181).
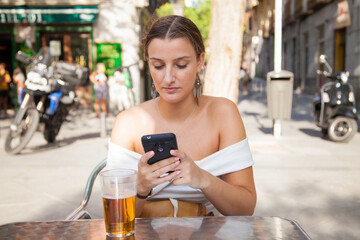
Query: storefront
point(69, 29)
point(85, 32)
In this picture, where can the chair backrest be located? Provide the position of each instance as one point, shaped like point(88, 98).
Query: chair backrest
point(79, 212)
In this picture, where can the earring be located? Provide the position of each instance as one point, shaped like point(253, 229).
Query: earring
point(153, 91)
point(197, 88)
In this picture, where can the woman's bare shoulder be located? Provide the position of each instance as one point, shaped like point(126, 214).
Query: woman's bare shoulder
point(219, 105)
point(130, 123)
point(226, 117)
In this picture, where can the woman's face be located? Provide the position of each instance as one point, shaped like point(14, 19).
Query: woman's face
point(173, 67)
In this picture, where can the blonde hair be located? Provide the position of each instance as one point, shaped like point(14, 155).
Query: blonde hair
point(100, 66)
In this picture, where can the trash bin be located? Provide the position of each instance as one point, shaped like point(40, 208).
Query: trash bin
point(279, 94)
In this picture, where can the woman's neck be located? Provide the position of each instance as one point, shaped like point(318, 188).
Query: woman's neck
point(176, 112)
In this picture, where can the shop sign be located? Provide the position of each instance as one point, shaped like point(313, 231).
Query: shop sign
point(110, 55)
point(343, 16)
point(55, 48)
point(49, 15)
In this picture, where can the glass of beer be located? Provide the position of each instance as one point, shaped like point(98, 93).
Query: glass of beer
point(119, 189)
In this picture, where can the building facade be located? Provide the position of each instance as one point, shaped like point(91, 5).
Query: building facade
point(310, 28)
point(84, 31)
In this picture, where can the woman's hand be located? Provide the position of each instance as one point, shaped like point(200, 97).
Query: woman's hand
point(149, 176)
point(190, 174)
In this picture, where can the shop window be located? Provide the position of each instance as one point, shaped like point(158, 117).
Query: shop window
point(80, 51)
point(74, 47)
point(5, 50)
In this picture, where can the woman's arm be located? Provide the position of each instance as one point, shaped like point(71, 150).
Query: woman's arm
point(233, 193)
point(92, 77)
point(238, 188)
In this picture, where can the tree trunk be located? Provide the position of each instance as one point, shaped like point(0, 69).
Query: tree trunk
point(225, 43)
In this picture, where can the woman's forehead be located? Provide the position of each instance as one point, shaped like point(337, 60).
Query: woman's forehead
point(170, 48)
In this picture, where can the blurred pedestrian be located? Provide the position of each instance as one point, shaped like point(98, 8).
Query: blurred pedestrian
point(245, 79)
point(98, 78)
point(123, 98)
point(5, 79)
point(19, 79)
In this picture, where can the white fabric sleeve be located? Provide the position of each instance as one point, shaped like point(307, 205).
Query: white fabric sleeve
point(119, 157)
point(230, 159)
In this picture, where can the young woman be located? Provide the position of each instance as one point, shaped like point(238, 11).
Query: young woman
point(98, 78)
point(213, 165)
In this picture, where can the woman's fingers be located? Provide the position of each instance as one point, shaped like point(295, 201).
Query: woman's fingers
point(163, 163)
point(157, 170)
point(166, 169)
point(145, 158)
point(162, 171)
point(170, 177)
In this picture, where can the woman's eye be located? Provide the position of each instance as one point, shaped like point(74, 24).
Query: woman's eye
point(181, 66)
point(158, 67)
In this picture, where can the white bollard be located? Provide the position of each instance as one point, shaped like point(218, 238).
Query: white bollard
point(277, 128)
point(103, 125)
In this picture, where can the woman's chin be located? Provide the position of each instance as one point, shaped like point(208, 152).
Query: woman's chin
point(171, 97)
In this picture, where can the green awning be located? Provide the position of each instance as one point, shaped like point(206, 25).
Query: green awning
point(77, 14)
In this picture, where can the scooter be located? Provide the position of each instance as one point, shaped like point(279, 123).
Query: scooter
point(48, 94)
point(334, 109)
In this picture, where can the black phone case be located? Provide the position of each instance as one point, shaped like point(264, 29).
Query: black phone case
point(161, 144)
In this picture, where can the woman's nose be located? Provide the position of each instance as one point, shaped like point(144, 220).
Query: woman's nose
point(169, 77)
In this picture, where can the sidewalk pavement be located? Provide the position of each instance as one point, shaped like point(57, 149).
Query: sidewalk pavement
point(299, 176)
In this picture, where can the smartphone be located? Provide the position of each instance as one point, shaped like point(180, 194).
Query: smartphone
point(161, 144)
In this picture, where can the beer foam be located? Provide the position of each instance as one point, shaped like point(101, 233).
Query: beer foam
point(119, 191)
point(118, 196)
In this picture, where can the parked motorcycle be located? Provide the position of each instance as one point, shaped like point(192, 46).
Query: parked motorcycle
point(47, 97)
point(334, 109)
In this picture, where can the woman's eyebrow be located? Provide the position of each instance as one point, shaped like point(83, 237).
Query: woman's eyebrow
point(156, 59)
point(181, 58)
point(176, 59)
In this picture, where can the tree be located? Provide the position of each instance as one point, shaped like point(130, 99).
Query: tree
point(225, 43)
point(200, 15)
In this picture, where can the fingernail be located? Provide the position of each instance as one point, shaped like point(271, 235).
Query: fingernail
point(176, 158)
point(178, 172)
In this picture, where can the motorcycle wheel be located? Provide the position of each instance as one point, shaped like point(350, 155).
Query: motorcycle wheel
point(17, 140)
point(52, 127)
point(342, 129)
point(51, 132)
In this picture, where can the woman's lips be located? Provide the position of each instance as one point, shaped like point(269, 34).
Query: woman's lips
point(171, 90)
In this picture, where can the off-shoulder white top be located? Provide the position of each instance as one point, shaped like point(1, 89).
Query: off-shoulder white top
point(230, 159)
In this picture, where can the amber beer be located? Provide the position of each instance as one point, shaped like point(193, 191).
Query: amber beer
point(118, 188)
point(119, 215)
